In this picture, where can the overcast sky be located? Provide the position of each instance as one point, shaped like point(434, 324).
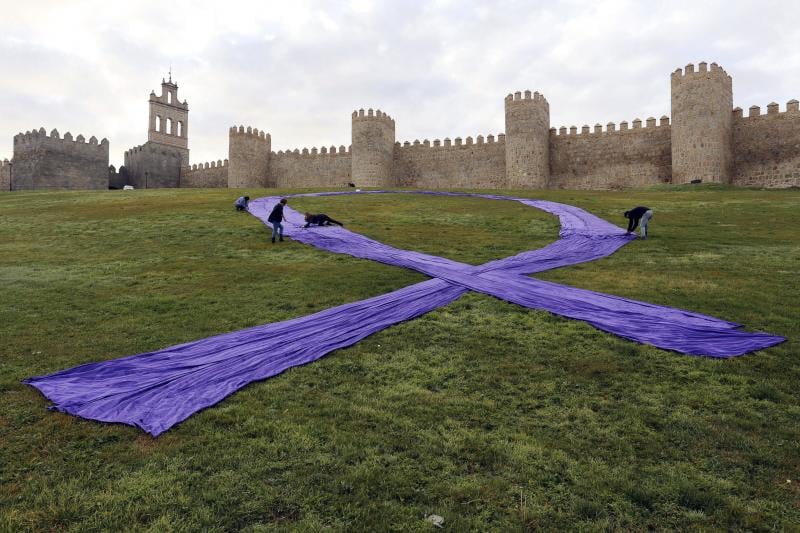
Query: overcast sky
point(297, 69)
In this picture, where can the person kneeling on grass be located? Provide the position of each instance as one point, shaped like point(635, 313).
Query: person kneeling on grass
point(634, 216)
point(241, 203)
point(320, 220)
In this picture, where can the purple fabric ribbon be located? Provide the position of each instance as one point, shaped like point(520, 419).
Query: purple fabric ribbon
point(156, 390)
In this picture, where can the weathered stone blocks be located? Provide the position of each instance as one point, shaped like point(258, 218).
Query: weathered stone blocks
point(50, 162)
point(373, 148)
point(702, 124)
point(527, 152)
point(249, 158)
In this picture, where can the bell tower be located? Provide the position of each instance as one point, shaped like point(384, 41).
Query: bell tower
point(169, 119)
point(158, 162)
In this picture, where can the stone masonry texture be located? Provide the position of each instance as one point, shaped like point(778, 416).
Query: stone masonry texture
point(373, 148)
point(326, 167)
point(478, 164)
point(5, 175)
point(766, 148)
point(702, 120)
point(527, 140)
point(205, 175)
point(155, 165)
point(248, 156)
point(612, 159)
point(44, 161)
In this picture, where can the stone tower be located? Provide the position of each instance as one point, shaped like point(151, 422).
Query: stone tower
point(248, 158)
point(702, 124)
point(373, 149)
point(527, 140)
point(157, 163)
point(169, 119)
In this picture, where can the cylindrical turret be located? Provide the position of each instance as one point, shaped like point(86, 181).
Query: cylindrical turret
point(527, 140)
point(248, 158)
point(373, 149)
point(702, 124)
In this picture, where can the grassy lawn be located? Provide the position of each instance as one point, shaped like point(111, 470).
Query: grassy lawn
point(493, 416)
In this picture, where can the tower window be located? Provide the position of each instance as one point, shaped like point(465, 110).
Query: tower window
point(169, 97)
point(180, 128)
point(169, 126)
point(158, 123)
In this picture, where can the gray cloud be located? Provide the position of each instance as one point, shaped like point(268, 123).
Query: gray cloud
point(440, 68)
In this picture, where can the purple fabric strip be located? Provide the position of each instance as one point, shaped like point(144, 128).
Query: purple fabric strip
point(156, 390)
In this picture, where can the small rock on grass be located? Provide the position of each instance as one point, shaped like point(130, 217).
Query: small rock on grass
point(435, 519)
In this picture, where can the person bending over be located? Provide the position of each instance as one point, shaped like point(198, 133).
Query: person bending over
point(320, 220)
point(638, 216)
point(241, 203)
point(275, 218)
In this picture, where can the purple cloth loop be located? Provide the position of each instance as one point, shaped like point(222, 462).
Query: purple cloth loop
point(156, 390)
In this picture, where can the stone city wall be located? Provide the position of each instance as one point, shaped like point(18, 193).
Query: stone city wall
point(50, 162)
point(611, 159)
point(153, 165)
point(766, 148)
point(324, 167)
point(211, 175)
point(705, 139)
point(443, 165)
point(5, 175)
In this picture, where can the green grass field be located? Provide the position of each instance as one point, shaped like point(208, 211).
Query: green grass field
point(493, 416)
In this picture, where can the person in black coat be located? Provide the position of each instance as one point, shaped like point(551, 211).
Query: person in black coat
point(276, 218)
point(241, 203)
point(320, 220)
point(640, 215)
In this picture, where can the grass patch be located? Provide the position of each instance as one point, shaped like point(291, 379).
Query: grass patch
point(488, 414)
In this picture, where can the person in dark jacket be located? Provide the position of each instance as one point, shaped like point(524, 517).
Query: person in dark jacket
point(241, 203)
point(320, 220)
point(640, 215)
point(276, 218)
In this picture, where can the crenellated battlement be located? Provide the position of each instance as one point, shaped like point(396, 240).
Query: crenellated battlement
point(153, 148)
point(5, 163)
point(50, 161)
point(651, 124)
point(219, 163)
point(527, 96)
point(40, 136)
point(249, 132)
point(703, 70)
point(213, 174)
point(371, 114)
point(766, 146)
point(133, 150)
point(313, 152)
point(458, 142)
point(773, 109)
